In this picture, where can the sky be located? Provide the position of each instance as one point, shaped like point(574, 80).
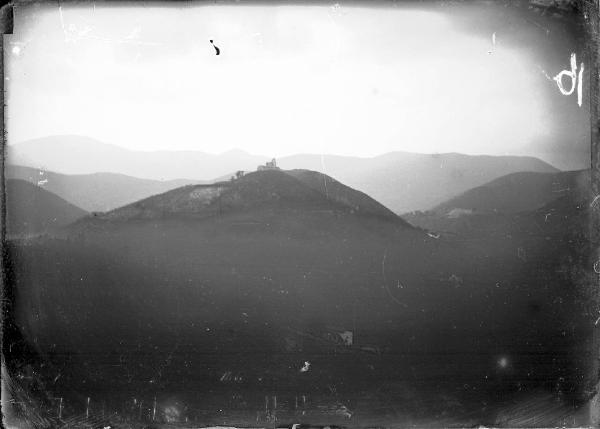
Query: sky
point(332, 78)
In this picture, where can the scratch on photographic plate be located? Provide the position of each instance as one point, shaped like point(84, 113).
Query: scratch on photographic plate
point(73, 33)
point(325, 172)
point(385, 281)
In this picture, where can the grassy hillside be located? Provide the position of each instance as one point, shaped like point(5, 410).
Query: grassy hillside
point(516, 192)
point(491, 209)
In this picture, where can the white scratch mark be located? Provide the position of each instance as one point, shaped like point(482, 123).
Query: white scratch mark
point(324, 172)
point(580, 85)
point(493, 43)
point(385, 286)
point(62, 21)
point(545, 74)
point(73, 34)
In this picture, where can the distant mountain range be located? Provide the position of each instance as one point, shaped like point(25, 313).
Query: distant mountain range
point(399, 180)
point(31, 210)
point(408, 181)
point(83, 155)
point(96, 191)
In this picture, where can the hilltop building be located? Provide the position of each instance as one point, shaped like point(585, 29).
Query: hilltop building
point(270, 165)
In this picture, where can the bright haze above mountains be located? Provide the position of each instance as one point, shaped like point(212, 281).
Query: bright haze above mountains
point(336, 79)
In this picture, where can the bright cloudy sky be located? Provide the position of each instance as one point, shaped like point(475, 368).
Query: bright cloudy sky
point(324, 79)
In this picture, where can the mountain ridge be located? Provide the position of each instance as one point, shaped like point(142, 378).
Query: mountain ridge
point(270, 189)
point(496, 206)
point(32, 210)
point(95, 192)
point(402, 181)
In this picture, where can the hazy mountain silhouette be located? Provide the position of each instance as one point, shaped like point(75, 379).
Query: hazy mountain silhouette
point(401, 181)
point(83, 155)
point(97, 191)
point(32, 210)
point(406, 181)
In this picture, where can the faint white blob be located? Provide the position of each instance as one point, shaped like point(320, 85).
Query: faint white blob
point(16, 50)
point(42, 182)
point(347, 337)
point(306, 367)
point(503, 362)
point(172, 414)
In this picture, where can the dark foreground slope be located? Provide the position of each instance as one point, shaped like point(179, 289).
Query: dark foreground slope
point(266, 245)
point(230, 292)
point(551, 254)
point(32, 210)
